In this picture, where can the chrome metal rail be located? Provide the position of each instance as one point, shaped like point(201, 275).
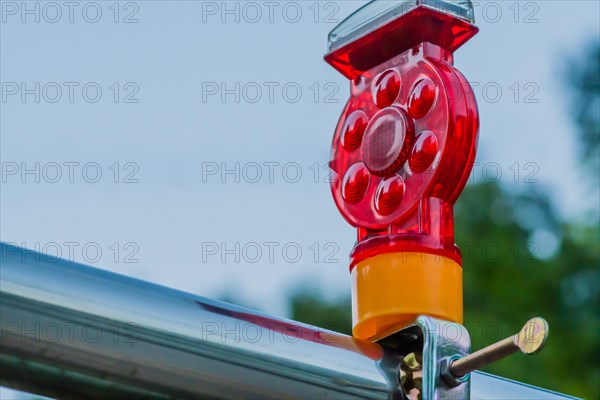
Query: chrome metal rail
point(72, 331)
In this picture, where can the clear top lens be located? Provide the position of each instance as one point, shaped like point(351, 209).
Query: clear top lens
point(379, 12)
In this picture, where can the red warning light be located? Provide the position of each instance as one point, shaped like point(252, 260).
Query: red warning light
point(402, 153)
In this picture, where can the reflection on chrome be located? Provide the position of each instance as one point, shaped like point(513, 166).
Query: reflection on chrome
point(69, 330)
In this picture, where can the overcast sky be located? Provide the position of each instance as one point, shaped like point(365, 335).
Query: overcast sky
point(142, 103)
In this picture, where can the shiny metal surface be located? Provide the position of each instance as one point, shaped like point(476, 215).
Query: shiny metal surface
point(442, 339)
point(68, 327)
point(71, 331)
point(489, 387)
point(420, 371)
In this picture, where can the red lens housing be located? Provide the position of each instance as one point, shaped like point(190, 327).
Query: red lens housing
point(406, 141)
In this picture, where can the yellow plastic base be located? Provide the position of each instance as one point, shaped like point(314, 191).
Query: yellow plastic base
point(390, 290)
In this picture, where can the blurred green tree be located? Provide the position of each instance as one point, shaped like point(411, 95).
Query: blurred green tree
point(520, 259)
point(307, 305)
point(584, 82)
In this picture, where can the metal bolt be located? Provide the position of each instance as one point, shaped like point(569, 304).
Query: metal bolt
point(411, 376)
point(529, 340)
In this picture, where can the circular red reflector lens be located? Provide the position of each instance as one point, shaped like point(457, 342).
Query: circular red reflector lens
point(353, 130)
point(424, 152)
point(386, 88)
point(421, 98)
point(355, 183)
point(387, 142)
point(389, 195)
